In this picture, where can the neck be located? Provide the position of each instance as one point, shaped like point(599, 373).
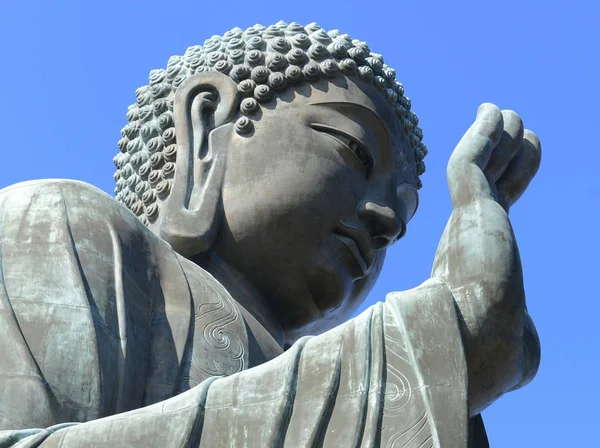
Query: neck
point(243, 292)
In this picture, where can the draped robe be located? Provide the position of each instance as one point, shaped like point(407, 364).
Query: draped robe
point(109, 338)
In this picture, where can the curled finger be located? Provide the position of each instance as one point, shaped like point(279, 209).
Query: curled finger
point(520, 171)
point(508, 147)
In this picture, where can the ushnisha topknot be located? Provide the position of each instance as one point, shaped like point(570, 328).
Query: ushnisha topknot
point(261, 60)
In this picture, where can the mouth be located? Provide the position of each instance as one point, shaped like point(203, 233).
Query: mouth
point(358, 244)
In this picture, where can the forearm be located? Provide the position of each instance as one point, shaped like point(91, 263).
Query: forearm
point(501, 345)
point(479, 261)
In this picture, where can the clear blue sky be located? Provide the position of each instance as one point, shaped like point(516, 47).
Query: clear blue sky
point(70, 69)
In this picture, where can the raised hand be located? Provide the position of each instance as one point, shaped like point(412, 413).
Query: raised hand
point(478, 258)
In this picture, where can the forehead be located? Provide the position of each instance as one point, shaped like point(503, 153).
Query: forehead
point(342, 90)
point(359, 93)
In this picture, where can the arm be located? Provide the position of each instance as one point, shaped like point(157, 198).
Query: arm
point(478, 258)
point(356, 385)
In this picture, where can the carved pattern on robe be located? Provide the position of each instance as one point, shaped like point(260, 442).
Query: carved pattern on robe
point(218, 348)
point(403, 401)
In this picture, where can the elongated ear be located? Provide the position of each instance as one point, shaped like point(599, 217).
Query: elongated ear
point(204, 106)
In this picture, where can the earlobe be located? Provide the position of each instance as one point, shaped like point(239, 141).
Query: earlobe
point(192, 214)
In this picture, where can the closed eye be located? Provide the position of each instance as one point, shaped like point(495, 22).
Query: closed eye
point(354, 146)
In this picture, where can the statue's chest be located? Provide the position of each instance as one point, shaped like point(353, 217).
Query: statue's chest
point(224, 339)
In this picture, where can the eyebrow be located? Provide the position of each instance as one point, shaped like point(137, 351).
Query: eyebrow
point(361, 109)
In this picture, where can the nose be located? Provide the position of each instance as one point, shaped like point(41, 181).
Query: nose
point(381, 222)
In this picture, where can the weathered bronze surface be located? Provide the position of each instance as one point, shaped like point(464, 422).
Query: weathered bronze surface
point(260, 180)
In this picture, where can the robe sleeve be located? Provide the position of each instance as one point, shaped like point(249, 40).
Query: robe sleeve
point(393, 376)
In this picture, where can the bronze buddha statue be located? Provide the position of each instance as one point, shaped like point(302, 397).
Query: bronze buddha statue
point(260, 179)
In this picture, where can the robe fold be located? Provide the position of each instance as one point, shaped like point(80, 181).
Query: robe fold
point(394, 376)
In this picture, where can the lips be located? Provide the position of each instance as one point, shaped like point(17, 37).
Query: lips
point(358, 244)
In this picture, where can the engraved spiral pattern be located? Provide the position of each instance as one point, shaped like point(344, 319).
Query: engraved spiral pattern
point(263, 61)
point(220, 329)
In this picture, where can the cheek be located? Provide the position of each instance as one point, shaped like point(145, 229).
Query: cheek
point(302, 194)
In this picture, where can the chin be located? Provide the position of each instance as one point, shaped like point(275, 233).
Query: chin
point(320, 323)
point(328, 285)
point(330, 292)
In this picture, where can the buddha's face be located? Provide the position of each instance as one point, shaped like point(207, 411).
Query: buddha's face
point(313, 198)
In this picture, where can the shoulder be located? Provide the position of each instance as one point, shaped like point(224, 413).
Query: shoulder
point(46, 185)
point(96, 241)
point(49, 192)
point(49, 198)
point(86, 212)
